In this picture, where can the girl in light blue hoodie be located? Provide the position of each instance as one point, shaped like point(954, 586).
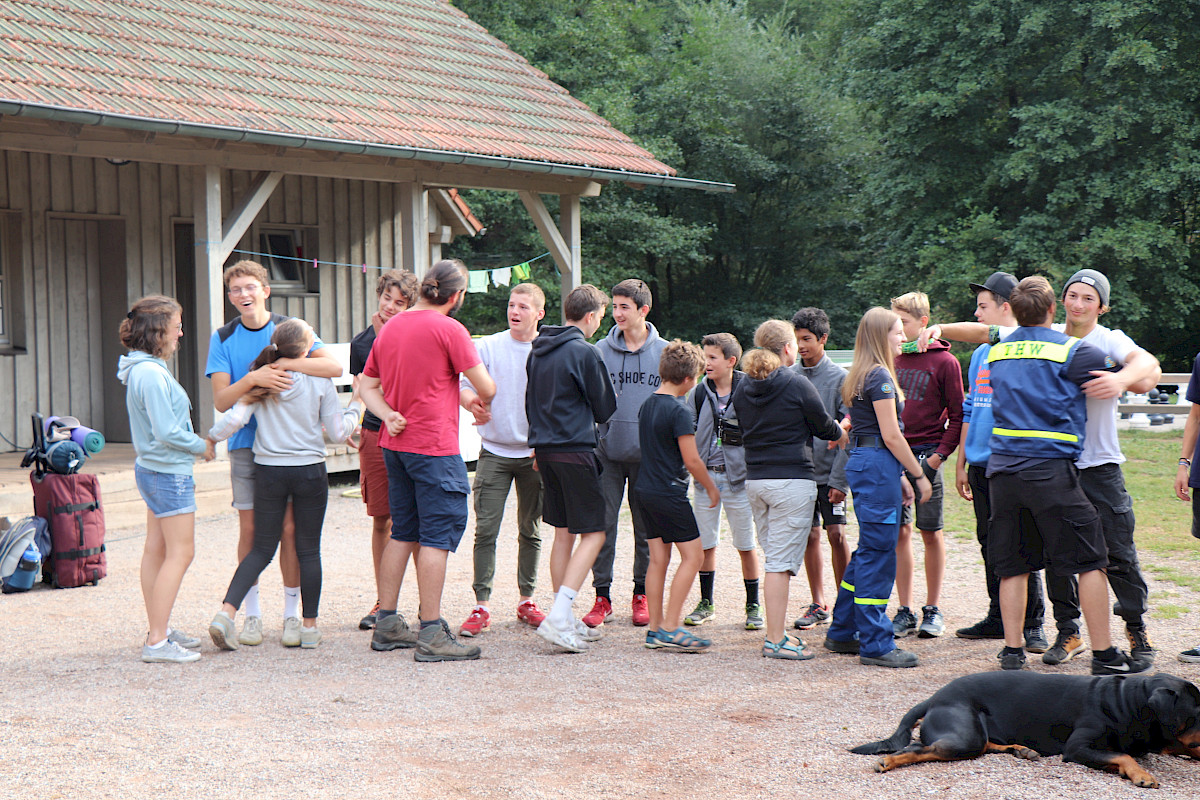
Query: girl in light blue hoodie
point(166, 447)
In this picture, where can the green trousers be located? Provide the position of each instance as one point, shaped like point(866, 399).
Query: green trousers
point(494, 475)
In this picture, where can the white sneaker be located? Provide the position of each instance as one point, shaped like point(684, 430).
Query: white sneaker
point(291, 632)
point(168, 653)
point(183, 640)
point(568, 640)
point(251, 631)
point(589, 634)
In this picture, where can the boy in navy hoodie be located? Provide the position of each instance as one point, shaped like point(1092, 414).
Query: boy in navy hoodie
point(568, 393)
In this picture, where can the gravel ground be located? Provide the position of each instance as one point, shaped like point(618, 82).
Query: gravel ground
point(83, 717)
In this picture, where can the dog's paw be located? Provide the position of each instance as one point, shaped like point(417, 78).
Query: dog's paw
point(1026, 753)
point(884, 764)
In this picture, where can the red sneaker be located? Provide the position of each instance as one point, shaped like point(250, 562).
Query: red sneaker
point(477, 623)
point(641, 610)
point(601, 613)
point(529, 613)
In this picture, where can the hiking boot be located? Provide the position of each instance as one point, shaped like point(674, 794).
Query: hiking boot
point(754, 617)
point(904, 623)
point(437, 643)
point(530, 614)
point(701, 614)
point(1035, 640)
point(568, 639)
point(368, 622)
point(251, 631)
point(1120, 664)
point(183, 640)
point(896, 658)
point(393, 633)
point(813, 616)
point(986, 628)
point(601, 613)
point(849, 648)
point(1190, 656)
point(291, 632)
point(1066, 647)
point(789, 648)
point(309, 637)
point(478, 622)
point(1011, 658)
point(932, 624)
point(168, 653)
point(223, 632)
point(640, 611)
point(1139, 644)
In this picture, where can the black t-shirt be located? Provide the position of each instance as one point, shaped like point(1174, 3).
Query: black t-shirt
point(360, 351)
point(877, 386)
point(662, 419)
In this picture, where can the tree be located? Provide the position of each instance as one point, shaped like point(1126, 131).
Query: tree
point(1035, 136)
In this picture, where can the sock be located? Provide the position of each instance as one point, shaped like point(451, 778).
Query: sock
point(160, 644)
point(291, 601)
point(1014, 650)
point(1105, 655)
point(603, 593)
point(706, 584)
point(430, 623)
point(561, 615)
point(251, 602)
point(306, 628)
point(751, 592)
point(639, 588)
point(484, 607)
point(384, 614)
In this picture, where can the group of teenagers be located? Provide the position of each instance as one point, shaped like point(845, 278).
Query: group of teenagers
point(778, 444)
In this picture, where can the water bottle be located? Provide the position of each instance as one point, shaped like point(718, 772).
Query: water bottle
point(26, 572)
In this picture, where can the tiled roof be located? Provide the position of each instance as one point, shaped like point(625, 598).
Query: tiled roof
point(408, 73)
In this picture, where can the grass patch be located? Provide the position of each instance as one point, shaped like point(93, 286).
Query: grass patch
point(1168, 611)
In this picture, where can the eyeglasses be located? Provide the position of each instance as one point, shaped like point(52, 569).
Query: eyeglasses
point(234, 291)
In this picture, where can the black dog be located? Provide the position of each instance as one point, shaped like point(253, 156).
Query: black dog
point(1100, 722)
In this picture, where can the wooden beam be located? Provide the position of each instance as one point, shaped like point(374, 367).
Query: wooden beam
point(206, 209)
point(414, 227)
point(559, 250)
point(243, 214)
point(568, 226)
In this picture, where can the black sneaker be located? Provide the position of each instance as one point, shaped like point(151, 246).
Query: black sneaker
point(986, 628)
point(1139, 643)
point(894, 658)
point(368, 622)
point(932, 624)
point(1066, 647)
point(1035, 640)
point(836, 646)
point(1119, 664)
point(904, 623)
point(1011, 658)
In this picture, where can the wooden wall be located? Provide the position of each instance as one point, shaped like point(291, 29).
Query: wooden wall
point(60, 208)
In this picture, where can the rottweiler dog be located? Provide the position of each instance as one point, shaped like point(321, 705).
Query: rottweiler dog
point(1100, 722)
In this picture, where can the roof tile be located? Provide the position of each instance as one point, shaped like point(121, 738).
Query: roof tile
point(415, 73)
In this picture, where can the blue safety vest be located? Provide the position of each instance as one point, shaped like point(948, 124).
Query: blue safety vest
point(1037, 412)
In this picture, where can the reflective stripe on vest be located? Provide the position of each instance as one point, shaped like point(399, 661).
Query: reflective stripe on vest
point(1046, 351)
point(1062, 437)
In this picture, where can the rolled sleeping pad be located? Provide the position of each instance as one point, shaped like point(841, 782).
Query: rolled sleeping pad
point(92, 441)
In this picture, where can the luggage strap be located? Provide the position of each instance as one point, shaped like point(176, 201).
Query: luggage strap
point(71, 508)
point(71, 555)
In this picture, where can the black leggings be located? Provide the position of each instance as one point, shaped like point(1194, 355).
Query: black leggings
point(307, 488)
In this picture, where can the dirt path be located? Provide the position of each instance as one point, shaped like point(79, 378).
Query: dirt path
point(83, 717)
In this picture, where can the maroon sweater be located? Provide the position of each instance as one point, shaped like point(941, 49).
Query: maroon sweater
point(933, 396)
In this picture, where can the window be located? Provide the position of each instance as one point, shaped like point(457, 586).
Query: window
point(284, 251)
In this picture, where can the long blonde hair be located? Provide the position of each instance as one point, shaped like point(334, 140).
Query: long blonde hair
point(775, 335)
point(872, 348)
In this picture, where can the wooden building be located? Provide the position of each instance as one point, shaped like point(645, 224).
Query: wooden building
point(143, 145)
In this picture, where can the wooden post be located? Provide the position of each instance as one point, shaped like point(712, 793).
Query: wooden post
point(568, 226)
point(414, 225)
point(206, 204)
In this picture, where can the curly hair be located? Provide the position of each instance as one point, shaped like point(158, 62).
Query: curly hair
point(147, 325)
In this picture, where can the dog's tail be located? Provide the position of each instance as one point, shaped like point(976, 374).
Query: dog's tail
point(898, 740)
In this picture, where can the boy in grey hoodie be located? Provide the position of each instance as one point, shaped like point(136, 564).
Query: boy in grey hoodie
point(631, 352)
point(829, 466)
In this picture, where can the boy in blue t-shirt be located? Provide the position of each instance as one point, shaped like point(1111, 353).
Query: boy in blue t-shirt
point(667, 437)
point(232, 349)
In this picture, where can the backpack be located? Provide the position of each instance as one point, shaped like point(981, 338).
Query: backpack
point(29, 535)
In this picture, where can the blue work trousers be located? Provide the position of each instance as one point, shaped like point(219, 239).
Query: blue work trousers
point(874, 478)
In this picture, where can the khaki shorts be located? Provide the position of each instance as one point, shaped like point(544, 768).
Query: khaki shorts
point(241, 474)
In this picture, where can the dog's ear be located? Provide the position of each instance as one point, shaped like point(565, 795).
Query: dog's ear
point(1162, 703)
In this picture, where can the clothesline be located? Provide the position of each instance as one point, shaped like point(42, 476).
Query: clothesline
point(521, 271)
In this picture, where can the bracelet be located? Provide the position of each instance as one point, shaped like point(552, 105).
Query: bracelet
point(1185, 462)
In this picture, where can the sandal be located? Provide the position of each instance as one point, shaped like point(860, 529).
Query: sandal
point(789, 648)
point(683, 641)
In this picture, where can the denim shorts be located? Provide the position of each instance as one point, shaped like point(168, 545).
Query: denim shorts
point(428, 498)
point(241, 474)
point(166, 494)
